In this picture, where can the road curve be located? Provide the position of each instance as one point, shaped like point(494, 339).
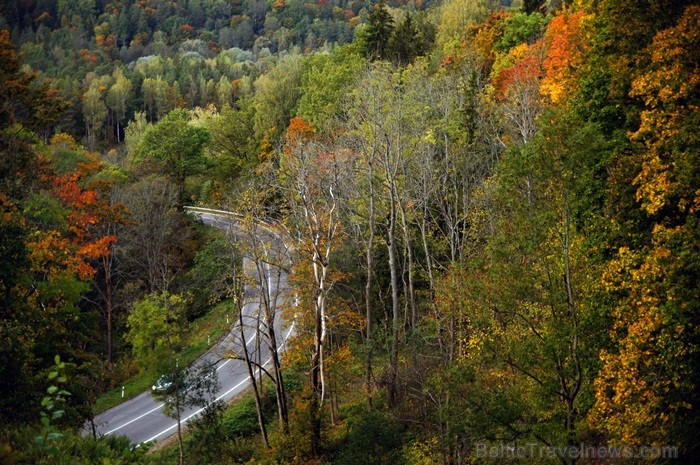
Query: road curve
point(141, 418)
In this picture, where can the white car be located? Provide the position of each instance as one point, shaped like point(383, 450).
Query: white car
point(164, 385)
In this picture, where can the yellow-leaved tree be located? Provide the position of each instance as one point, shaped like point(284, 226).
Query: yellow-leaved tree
point(647, 390)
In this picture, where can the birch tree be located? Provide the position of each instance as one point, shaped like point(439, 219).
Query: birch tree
point(312, 174)
point(116, 99)
point(386, 124)
point(269, 257)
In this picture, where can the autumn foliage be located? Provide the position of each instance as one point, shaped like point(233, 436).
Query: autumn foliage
point(647, 388)
point(496, 244)
point(566, 47)
point(524, 68)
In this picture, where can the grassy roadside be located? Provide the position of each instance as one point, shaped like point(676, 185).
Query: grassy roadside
point(211, 327)
point(235, 436)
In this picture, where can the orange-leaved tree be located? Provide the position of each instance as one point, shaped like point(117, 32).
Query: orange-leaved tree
point(647, 390)
point(517, 89)
point(566, 47)
point(313, 170)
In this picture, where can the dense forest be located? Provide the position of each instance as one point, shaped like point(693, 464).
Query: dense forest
point(494, 209)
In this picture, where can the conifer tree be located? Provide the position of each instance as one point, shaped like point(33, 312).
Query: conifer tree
point(379, 32)
point(406, 42)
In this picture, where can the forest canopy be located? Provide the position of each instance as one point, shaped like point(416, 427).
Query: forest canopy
point(494, 208)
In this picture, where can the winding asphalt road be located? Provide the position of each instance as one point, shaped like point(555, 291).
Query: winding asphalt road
point(141, 418)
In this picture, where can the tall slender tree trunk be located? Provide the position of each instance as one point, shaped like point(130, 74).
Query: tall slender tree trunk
point(279, 383)
point(368, 292)
point(570, 423)
point(319, 231)
point(258, 352)
point(251, 373)
point(107, 261)
point(426, 249)
point(320, 271)
point(110, 316)
point(391, 246)
point(316, 388)
point(318, 381)
point(410, 297)
point(180, 446)
point(270, 299)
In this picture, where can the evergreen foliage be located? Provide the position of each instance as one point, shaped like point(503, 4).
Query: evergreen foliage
point(380, 28)
point(495, 241)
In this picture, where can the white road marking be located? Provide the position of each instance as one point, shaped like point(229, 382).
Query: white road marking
point(214, 218)
point(134, 419)
point(161, 405)
point(257, 371)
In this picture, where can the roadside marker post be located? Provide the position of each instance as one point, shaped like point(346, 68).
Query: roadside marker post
point(122, 390)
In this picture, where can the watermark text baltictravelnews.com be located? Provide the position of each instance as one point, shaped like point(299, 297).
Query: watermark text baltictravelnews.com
point(579, 451)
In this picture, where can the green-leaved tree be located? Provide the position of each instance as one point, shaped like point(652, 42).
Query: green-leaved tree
point(178, 145)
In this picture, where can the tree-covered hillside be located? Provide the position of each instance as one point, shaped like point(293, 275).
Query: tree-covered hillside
point(494, 212)
point(111, 59)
